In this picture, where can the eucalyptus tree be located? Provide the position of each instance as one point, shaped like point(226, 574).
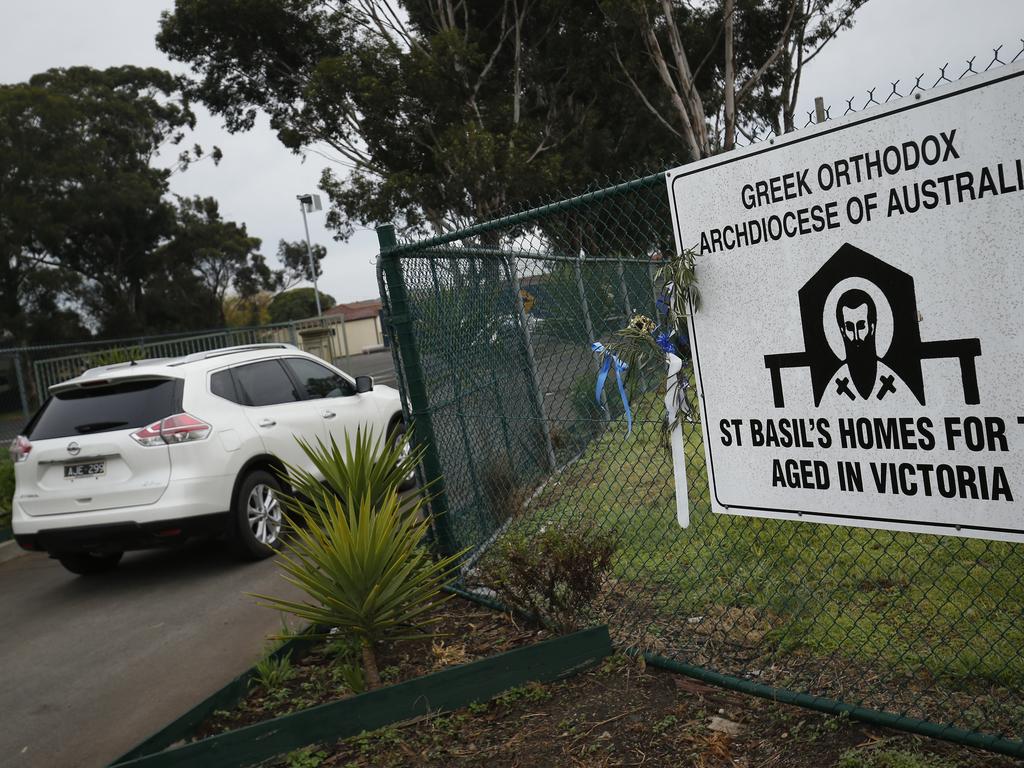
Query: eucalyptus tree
point(90, 238)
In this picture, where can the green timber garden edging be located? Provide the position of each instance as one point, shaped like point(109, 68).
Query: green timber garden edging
point(440, 691)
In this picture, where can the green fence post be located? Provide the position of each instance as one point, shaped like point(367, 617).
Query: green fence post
point(419, 402)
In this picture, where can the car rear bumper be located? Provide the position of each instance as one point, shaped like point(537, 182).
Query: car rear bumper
point(120, 537)
point(189, 506)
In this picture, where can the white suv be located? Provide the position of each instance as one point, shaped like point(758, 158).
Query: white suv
point(151, 453)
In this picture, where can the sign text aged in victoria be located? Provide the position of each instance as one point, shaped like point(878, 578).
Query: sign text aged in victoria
point(860, 342)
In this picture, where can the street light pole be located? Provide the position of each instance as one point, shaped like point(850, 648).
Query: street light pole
point(313, 201)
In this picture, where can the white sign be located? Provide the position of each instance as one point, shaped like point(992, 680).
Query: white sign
point(859, 348)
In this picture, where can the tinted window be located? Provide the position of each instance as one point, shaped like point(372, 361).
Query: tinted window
point(222, 385)
point(264, 383)
point(129, 405)
point(316, 381)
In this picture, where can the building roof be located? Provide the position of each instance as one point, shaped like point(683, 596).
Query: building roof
point(356, 310)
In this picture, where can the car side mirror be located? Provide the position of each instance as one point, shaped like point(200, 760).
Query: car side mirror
point(364, 384)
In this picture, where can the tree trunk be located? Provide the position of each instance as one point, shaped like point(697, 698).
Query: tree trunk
point(788, 121)
point(370, 671)
point(730, 79)
point(682, 111)
point(695, 106)
point(517, 85)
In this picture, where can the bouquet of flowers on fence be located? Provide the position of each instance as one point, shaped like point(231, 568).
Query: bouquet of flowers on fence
point(644, 345)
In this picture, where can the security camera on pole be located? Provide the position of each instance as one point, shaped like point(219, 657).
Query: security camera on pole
point(310, 203)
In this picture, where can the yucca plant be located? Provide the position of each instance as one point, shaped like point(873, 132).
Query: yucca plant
point(356, 549)
point(369, 465)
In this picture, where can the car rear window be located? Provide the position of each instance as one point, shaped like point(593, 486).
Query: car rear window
point(128, 405)
point(222, 385)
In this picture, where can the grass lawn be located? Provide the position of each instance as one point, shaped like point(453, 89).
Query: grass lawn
point(917, 623)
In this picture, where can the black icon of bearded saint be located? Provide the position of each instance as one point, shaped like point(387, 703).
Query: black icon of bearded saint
point(862, 373)
point(876, 352)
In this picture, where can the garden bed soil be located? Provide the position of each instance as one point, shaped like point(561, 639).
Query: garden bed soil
point(464, 632)
point(625, 714)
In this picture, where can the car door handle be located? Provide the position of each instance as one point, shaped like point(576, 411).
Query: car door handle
point(266, 422)
point(328, 414)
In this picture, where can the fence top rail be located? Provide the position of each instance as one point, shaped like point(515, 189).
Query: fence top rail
point(405, 249)
point(466, 252)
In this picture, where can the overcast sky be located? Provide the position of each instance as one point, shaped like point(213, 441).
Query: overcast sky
point(258, 179)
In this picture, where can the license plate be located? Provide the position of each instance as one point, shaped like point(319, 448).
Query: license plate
point(85, 470)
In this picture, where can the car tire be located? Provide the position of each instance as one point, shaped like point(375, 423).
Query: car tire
point(395, 431)
point(258, 519)
point(90, 564)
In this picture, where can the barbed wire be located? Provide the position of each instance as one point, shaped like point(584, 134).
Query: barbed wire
point(896, 91)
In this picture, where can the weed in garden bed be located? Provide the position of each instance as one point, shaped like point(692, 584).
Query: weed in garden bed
point(448, 654)
point(272, 672)
point(310, 757)
point(618, 716)
point(352, 676)
point(530, 693)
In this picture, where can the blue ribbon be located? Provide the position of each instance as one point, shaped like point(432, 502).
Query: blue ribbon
point(602, 376)
point(664, 340)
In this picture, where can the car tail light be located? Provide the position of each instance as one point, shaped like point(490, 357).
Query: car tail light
point(20, 448)
point(180, 428)
point(184, 428)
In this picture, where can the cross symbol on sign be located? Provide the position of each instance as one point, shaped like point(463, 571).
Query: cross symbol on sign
point(887, 386)
point(843, 388)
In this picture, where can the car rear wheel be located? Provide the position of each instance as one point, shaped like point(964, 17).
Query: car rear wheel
point(258, 517)
point(89, 564)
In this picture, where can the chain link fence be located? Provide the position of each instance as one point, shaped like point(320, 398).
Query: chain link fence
point(494, 326)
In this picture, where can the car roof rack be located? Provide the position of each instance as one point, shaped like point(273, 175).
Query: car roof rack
point(196, 356)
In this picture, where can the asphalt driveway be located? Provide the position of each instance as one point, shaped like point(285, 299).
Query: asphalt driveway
point(89, 667)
